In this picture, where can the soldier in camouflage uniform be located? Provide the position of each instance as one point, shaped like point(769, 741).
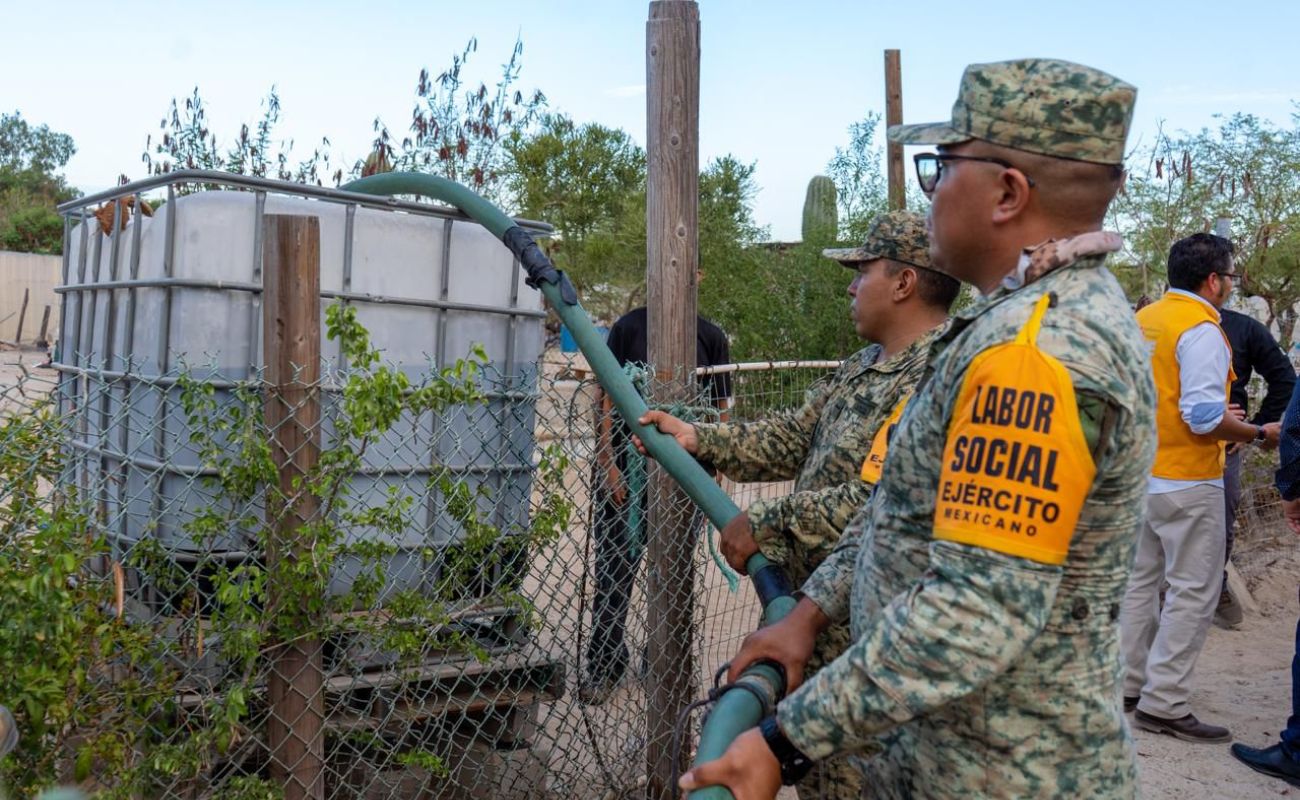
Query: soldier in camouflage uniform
point(900, 303)
point(984, 587)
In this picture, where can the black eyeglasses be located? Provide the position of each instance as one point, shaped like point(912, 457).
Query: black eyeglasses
point(1236, 276)
point(929, 167)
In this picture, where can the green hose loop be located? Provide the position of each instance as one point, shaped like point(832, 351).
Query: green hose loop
point(431, 186)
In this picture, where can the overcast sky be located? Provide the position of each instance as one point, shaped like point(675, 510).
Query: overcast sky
point(780, 81)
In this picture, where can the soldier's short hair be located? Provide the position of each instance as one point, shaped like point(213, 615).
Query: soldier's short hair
point(935, 288)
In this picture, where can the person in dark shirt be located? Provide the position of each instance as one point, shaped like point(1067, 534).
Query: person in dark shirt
point(619, 528)
point(1282, 760)
point(1253, 350)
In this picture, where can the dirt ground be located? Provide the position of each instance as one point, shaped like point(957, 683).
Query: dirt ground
point(22, 379)
point(1243, 681)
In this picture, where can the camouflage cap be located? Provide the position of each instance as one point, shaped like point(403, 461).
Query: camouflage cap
point(1040, 105)
point(897, 235)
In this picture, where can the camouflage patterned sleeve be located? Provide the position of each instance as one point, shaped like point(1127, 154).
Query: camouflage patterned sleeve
point(770, 450)
point(968, 619)
point(831, 584)
point(814, 517)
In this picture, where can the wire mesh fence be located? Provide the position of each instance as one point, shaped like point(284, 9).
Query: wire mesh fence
point(1262, 537)
point(411, 612)
point(446, 653)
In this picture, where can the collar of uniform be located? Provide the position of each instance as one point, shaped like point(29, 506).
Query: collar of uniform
point(868, 356)
point(1037, 261)
point(903, 359)
point(983, 304)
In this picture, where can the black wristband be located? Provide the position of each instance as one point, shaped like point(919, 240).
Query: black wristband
point(1259, 434)
point(794, 764)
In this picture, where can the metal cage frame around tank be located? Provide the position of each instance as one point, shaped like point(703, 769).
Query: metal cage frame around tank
point(73, 364)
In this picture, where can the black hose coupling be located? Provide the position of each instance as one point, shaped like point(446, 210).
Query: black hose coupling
point(535, 263)
point(756, 683)
point(771, 582)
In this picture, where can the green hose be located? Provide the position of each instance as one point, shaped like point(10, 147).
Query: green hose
point(736, 710)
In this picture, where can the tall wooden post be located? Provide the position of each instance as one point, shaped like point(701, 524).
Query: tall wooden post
point(22, 317)
point(41, 340)
point(894, 116)
point(291, 353)
point(672, 253)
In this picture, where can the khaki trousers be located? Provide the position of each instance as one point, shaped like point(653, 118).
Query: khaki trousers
point(1182, 542)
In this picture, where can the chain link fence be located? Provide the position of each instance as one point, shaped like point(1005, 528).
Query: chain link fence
point(1263, 552)
point(148, 627)
point(411, 611)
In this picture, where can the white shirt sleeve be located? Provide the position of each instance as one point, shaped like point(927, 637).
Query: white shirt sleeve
point(1203, 362)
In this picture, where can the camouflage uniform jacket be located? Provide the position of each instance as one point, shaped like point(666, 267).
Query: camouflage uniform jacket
point(821, 445)
point(982, 674)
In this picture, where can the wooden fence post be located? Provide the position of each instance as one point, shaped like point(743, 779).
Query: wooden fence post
point(672, 258)
point(41, 339)
point(291, 353)
point(22, 316)
point(894, 116)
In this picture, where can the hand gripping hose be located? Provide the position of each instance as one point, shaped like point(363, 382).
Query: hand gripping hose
point(735, 711)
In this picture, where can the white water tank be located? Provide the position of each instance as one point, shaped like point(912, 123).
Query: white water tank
point(181, 291)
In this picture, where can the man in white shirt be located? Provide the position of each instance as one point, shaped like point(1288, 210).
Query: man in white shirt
point(1182, 540)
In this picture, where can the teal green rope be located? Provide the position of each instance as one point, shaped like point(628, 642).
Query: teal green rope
point(634, 475)
point(733, 580)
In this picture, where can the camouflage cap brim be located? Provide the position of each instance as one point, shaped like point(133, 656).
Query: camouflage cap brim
point(932, 133)
point(1039, 105)
point(896, 235)
point(850, 256)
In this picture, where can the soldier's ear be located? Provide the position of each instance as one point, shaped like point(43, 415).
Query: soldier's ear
point(905, 284)
point(1013, 196)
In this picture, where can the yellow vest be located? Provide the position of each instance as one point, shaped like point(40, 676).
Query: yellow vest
point(1180, 454)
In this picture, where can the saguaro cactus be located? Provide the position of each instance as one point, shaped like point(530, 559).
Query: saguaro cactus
point(820, 214)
